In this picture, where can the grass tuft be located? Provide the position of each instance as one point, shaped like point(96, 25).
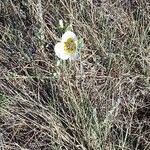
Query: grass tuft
point(101, 102)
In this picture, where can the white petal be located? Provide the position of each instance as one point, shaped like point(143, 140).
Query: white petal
point(59, 50)
point(74, 56)
point(68, 35)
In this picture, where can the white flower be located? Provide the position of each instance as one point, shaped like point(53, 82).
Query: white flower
point(61, 24)
point(67, 48)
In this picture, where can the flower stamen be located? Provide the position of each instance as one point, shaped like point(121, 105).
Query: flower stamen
point(70, 46)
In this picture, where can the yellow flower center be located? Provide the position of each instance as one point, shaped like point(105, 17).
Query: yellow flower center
point(70, 46)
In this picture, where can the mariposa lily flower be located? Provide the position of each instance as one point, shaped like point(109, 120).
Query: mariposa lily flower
point(67, 47)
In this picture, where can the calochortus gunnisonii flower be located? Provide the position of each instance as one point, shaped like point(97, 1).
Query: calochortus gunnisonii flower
point(67, 47)
point(61, 24)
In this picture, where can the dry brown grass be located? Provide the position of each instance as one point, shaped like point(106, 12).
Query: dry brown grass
point(99, 103)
